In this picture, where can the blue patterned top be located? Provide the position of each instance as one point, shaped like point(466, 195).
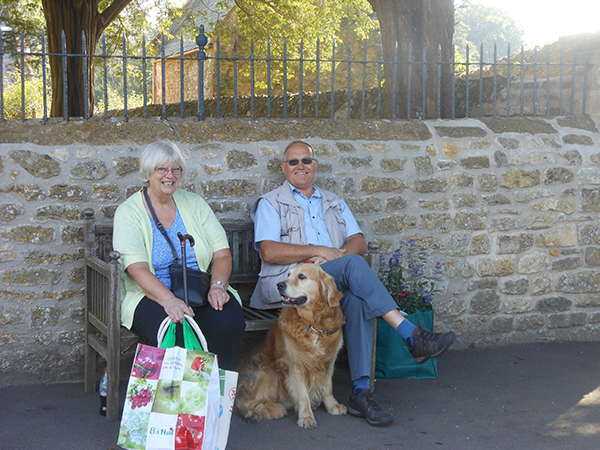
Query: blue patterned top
point(162, 256)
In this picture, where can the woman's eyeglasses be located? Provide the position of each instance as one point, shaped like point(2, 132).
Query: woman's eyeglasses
point(176, 171)
point(295, 162)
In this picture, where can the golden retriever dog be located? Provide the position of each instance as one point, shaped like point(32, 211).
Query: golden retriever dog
point(294, 365)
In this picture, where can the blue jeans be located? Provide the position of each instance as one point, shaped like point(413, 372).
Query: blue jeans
point(364, 298)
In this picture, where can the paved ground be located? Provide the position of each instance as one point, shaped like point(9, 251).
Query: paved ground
point(540, 396)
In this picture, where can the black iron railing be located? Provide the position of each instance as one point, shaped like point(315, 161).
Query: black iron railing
point(221, 81)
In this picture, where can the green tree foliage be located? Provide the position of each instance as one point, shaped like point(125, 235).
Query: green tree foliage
point(22, 15)
point(33, 105)
point(135, 33)
point(259, 23)
point(296, 20)
point(30, 19)
point(479, 23)
point(294, 29)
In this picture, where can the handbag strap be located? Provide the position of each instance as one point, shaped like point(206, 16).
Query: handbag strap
point(160, 225)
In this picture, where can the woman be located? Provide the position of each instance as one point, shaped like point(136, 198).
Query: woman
point(146, 256)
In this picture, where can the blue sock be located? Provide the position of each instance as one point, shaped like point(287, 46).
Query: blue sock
point(360, 384)
point(406, 330)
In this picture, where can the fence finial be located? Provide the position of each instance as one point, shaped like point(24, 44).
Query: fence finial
point(201, 41)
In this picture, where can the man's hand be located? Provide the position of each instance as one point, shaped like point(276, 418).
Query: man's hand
point(325, 254)
point(316, 260)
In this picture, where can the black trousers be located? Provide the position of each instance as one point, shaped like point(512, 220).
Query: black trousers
point(223, 329)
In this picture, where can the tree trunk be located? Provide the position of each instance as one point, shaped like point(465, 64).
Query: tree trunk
point(75, 18)
point(407, 28)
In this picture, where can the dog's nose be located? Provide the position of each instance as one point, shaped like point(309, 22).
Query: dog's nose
point(281, 285)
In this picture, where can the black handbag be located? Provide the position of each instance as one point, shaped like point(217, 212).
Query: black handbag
point(190, 284)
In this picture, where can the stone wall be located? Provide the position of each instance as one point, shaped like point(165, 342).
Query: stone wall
point(511, 207)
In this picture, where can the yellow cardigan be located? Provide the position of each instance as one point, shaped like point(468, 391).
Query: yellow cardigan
point(133, 238)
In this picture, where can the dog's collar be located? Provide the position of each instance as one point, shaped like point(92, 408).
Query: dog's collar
point(325, 332)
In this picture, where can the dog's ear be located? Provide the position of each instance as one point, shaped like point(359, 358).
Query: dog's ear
point(329, 290)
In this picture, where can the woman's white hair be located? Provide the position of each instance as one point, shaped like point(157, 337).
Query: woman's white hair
point(158, 154)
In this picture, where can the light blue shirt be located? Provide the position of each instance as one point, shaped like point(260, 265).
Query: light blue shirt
point(268, 223)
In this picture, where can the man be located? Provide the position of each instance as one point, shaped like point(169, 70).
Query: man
point(298, 222)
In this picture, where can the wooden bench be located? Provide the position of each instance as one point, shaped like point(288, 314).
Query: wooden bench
point(104, 334)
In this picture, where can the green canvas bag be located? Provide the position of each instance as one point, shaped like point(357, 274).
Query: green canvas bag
point(393, 357)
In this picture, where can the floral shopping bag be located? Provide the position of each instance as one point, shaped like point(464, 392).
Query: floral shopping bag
point(172, 400)
point(228, 389)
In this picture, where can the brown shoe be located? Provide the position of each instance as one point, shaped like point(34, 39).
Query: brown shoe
point(429, 345)
point(364, 405)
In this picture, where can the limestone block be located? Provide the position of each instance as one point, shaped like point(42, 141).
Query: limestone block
point(541, 284)
point(422, 165)
point(584, 281)
point(553, 304)
point(355, 163)
point(496, 266)
point(440, 222)
point(68, 193)
point(37, 164)
point(515, 287)
point(589, 176)
point(371, 185)
point(440, 203)
point(89, 170)
point(592, 256)
point(430, 185)
point(29, 234)
point(475, 162)
point(534, 262)
point(529, 321)
point(389, 165)
point(562, 236)
point(461, 180)
point(485, 302)
point(394, 224)
point(520, 179)
point(124, 165)
point(514, 243)
point(470, 220)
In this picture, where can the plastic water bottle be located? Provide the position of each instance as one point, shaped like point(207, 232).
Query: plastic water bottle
point(102, 389)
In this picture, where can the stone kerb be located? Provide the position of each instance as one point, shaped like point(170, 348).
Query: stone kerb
point(510, 206)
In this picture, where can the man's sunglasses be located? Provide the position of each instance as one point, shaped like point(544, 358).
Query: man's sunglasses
point(295, 162)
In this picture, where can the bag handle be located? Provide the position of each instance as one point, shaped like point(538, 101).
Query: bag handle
point(193, 338)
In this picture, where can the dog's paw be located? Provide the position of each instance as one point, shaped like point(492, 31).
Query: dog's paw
point(337, 410)
point(273, 411)
point(307, 422)
point(252, 417)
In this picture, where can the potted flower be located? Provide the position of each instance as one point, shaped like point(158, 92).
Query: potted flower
point(412, 282)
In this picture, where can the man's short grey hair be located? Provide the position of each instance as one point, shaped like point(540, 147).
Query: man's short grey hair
point(160, 154)
point(312, 150)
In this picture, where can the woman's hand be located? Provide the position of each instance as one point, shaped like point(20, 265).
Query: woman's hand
point(155, 290)
point(176, 308)
point(220, 271)
point(217, 296)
